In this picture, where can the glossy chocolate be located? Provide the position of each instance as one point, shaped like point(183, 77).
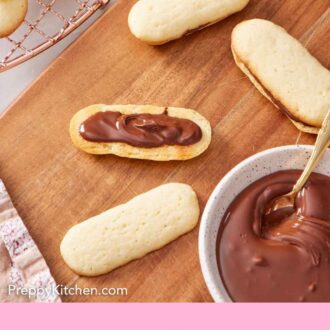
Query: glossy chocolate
point(281, 257)
point(140, 130)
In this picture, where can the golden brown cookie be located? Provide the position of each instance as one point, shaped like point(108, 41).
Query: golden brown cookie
point(12, 14)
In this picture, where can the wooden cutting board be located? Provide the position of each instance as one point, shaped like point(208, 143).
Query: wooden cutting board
point(55, 186)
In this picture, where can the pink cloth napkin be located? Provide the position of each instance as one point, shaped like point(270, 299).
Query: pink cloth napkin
point(22, 267)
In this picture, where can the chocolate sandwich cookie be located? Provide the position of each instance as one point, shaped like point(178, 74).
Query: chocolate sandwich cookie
point(159, 21)
point(284, 71)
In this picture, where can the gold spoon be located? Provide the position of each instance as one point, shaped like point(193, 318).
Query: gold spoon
point(321, 145)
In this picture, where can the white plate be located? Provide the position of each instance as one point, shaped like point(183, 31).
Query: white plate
point(241, 176)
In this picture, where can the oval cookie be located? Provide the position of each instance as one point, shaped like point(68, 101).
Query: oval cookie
point(12, 14)
point(130, 231)
point(159, 21)
point(284, 71)
point(185, 144)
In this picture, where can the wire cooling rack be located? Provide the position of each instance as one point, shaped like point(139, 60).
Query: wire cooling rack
point(47, 22)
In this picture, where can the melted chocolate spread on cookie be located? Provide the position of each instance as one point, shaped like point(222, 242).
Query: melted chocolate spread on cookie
point(283, 256)
point(140, 130)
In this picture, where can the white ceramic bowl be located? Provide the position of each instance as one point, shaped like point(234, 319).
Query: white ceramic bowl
point(241, 176)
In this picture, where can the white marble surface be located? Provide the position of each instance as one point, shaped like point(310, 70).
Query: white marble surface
point(14, 81)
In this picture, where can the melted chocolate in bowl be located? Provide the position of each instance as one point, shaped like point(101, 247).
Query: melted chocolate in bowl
point(140, 130)
point(284, 256)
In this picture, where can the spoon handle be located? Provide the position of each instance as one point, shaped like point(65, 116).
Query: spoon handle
point(321, 145)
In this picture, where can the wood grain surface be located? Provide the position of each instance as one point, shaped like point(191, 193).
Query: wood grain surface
point(54, 185)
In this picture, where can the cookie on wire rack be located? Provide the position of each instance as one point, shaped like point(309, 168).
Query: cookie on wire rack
point(12, 14)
